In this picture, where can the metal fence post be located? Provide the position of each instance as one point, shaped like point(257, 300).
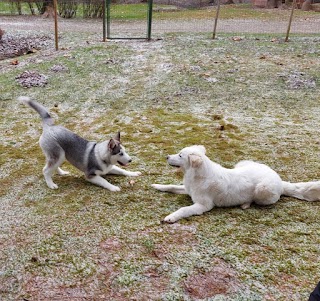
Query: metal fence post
point(104, 21)
point(108, 18)
point(150, 5)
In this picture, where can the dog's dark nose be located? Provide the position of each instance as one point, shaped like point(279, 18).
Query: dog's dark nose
point(130, 160)
point(168, 157)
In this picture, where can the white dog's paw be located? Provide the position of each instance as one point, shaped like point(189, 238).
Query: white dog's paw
point(159, 187)
point(134, 173)
point(245, 206)
point(170, 219)
point(113, 188)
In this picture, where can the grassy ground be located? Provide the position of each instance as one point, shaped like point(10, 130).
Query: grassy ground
point(257, 98)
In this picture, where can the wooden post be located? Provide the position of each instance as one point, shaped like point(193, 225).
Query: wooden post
point(216, 21)
point(55, 8)
point(290, 20)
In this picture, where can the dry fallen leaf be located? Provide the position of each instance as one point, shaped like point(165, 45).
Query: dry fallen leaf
point(237, 38)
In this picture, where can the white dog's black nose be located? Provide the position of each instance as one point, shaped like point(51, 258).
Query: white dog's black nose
point(168, 157)
point(129, 160)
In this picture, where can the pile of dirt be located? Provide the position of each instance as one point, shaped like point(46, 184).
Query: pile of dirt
point(32, 79)
point(16, 45)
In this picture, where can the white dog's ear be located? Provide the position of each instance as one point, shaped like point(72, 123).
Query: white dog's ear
point(195, 160)
point(202, 149)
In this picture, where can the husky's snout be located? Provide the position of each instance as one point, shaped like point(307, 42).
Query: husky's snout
point(124, 161)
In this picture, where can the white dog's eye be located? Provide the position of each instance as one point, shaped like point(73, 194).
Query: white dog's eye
point(121, 154)
point(180, 155)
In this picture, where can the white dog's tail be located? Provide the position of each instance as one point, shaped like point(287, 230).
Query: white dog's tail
point(42, 111)
point(308, 191)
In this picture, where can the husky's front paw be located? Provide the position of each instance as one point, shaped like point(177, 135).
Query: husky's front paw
point(135, 173)
point(113, 188)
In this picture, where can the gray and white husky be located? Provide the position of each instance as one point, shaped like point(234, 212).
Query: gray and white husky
point(94, 159)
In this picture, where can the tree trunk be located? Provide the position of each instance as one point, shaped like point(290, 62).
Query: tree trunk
point(306, 5)
point(272, 4)
point(48, 9)
point(1, 34)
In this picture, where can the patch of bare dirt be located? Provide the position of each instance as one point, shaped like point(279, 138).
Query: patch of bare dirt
point(220, 280)
point(154, 278)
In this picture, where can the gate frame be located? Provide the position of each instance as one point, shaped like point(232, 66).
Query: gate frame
point(106, 22)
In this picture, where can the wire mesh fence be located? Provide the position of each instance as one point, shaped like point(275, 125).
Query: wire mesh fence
point(125, 16)
point(131, 19)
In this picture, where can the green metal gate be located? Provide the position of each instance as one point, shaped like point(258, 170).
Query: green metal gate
point(127, 21)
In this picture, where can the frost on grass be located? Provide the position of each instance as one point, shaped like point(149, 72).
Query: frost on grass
point(59, 68)
point(298, 80)
point(84, 242)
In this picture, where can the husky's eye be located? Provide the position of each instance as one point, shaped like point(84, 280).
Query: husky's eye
point(121, 154)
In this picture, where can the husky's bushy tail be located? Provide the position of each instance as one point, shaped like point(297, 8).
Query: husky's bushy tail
point(308, 191)
point(42, 111)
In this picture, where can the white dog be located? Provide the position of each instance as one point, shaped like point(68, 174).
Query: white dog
point(211, 185)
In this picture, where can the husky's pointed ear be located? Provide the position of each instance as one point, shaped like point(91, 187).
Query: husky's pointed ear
point(111, 144)
point(195, 160)
point(117, 137)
